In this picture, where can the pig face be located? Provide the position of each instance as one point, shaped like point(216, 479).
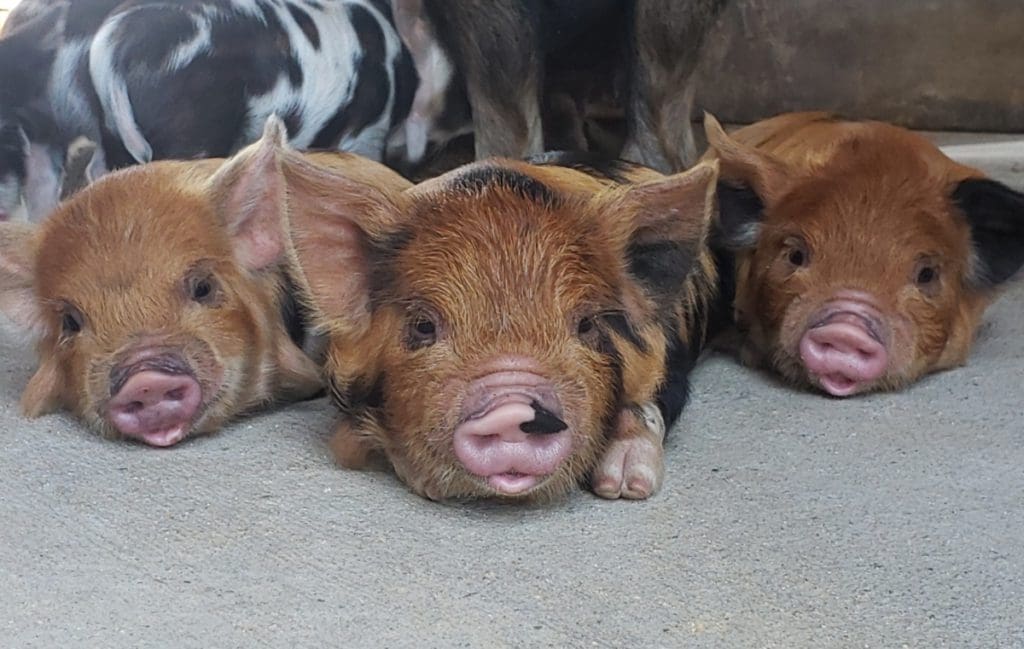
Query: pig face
point(870, 266)
point(155, 298)
point(502, 328)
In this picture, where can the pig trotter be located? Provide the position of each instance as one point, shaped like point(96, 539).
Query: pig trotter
point(544, 422)
point(633, 465)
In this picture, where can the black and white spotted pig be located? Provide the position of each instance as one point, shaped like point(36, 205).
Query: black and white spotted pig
point(150, 79)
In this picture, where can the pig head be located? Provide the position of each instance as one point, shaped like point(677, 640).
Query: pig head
point(155, 298)
point(504, 337)
point(865, 257)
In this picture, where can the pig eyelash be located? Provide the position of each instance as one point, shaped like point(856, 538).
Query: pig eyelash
point(203, 289)
point(71, 321)
point(795, 252)
point(422, 330)
point(927, 277)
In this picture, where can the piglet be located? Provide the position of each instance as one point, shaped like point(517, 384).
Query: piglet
point(159, 299)
point(865, 258)
point(507, 330)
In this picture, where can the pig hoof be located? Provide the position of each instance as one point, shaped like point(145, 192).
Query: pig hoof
point(634, 464)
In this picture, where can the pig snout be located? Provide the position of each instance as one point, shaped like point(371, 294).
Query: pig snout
point(512, 433)
point(844, 349)
point(154, 399)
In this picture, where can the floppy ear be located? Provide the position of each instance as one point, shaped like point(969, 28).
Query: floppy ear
point(995, 214)
point(17, 293)
point(670, 227)
point(749, 180)
point(335, 226)
point(250, 197)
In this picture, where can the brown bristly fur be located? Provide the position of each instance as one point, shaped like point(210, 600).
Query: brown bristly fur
point(122, 251)
point(870, 200)
point(506, 257)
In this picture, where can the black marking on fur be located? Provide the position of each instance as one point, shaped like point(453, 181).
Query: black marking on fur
point(294, 314)
point(544, 421)
point(248, 55)
point(362, 393)
point(995, 214)
point(618, 322)
point(661, 267)
point(739, 208)
point(476, 180)
point(306, 24)
point(675, 391)
point(592, 164)
point(370, 96)
point(606, 347)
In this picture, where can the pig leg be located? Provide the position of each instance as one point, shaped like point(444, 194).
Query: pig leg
point(497, 47)
point(634, 463)
point(667, 40)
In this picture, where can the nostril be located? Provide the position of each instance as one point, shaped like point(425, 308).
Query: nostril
point(134, 407)
point(175, 395)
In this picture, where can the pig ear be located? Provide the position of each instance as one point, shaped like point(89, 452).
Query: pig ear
point(250, 196)
point(749, 179)
point(334, 224)
point(17, 295)
point(995, 214)
point(671, 227)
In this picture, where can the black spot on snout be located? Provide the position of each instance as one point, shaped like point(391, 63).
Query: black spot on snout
point(544, 421)
point(478, 179)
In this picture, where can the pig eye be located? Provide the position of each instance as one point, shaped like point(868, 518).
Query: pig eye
point(421, 331)
point(926, 277)
point(71, 321)
point(795, 252)
point(202, 289)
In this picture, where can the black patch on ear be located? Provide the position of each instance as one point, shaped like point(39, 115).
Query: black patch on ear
point(661, 267)
point(995, 214)
point(592, 164)
point(476, 180)
point(382, 253)
point(544, 422)
point(739, 209)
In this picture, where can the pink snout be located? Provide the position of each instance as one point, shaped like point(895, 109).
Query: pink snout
point(844, 351)
point(511, 432)
point(155, 407)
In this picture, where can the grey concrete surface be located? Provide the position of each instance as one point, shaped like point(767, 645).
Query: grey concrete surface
point(787, 520)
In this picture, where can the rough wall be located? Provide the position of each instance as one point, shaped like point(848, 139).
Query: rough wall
point(934, 64)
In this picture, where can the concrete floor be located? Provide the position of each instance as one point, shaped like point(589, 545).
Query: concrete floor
point(786, 520)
